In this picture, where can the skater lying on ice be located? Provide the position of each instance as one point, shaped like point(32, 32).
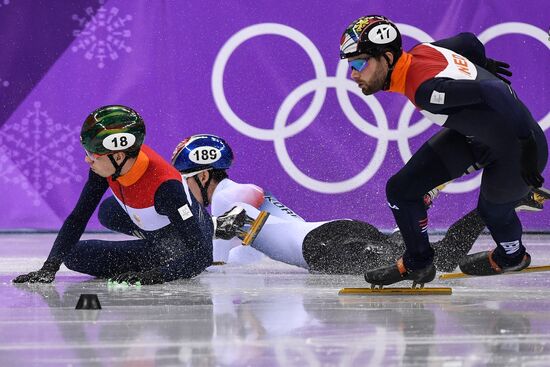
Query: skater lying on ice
point(149, 201)
point(338, 246)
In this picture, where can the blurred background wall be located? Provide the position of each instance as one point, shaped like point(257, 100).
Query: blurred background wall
point(264, 75)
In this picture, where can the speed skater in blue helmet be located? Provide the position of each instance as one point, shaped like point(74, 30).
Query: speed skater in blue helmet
point(201, 153)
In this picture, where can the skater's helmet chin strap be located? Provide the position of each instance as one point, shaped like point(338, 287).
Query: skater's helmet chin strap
point(203, 188)
point(118, 167)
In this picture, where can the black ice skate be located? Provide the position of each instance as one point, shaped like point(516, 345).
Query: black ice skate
point(543, 192)
point(397, 272)
point(236, 223)
point(534, 200)
point(482, 264)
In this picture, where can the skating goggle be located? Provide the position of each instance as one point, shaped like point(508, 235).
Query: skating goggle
point(359, 64)
point(93, 156)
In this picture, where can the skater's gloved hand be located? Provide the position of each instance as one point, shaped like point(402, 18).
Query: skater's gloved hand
point(529, 162)
point(153, 276)
point(228, 224)
point(498, 68)
point(45, 275)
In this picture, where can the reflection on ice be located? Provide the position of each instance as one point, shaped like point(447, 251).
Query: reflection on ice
point(271, 314)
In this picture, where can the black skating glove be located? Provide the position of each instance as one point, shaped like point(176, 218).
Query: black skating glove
point(229, 223)
point(45, 275)
point(529, 162)
point(498, 69)
point(153, 276)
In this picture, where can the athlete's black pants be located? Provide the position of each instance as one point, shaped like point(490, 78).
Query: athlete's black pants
point(106, 259)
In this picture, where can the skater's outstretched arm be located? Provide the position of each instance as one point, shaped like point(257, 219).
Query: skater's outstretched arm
point(71, 231)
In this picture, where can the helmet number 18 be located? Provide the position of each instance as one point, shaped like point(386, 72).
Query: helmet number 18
point(119, 141)
point(123, 142)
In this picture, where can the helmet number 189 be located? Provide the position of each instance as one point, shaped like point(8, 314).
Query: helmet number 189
point(204, 155)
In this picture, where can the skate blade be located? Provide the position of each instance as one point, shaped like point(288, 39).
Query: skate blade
point(527, 208)
point(218, 263)
point(255, 228)
point(396, 291)
point(530, 269)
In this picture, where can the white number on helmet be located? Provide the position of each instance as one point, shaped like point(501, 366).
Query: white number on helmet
point(119, 141)
point(205, 155)
point(382, 34)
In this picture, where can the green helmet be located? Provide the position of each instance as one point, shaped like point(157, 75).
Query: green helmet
point(111, 129)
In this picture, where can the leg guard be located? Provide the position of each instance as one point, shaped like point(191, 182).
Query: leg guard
point(348, 247)
point(458, 241)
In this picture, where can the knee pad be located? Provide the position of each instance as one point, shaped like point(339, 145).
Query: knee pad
point(404, 187)
point(395, 187)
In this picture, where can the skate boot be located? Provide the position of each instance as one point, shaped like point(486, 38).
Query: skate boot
point(236, 223)
point(397, 272)
point(532, 202)
point(542, 192)
point(482, 263)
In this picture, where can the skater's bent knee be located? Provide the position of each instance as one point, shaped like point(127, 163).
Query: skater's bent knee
point(104, 213)
point(394, 187)
point(402, 186)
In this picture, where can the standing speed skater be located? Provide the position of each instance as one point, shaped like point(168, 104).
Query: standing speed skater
point(484, 125)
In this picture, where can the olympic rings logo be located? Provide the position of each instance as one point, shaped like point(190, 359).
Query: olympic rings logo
point(343, 85)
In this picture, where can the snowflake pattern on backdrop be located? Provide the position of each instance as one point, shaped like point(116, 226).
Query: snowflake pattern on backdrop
point(42, 150)
point(4, 83)
point(4, 3)
point(102, 35)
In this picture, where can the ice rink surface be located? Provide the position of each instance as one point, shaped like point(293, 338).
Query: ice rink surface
point(269, 314)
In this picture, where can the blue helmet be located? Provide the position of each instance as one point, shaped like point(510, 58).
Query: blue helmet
point(202, 152)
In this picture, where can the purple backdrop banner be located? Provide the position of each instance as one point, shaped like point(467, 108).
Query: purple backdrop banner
point(264, 75)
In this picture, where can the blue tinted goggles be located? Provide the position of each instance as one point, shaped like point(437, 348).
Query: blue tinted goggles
point(358, 64)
